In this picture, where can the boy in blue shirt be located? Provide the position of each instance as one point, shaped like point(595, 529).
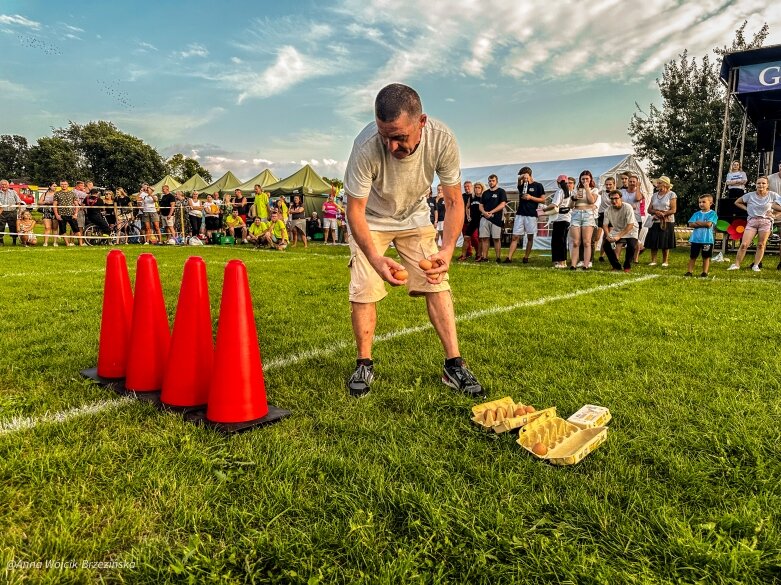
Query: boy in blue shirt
point(703, 222)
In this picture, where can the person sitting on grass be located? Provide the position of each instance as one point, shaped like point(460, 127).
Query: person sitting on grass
point(236, 225)
point(701, 240)
point(619, 225)
point(26, 226)
point(256, 231)
point(277, 236)
point(759, 205)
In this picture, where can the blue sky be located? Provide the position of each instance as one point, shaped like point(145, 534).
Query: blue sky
point(250, 85)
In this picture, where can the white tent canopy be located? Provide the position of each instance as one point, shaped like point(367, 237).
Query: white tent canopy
point(545, 172)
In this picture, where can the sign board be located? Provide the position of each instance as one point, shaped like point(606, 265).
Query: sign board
point(760, 77)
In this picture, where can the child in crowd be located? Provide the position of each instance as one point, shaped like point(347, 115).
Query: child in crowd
point(277, 235)
point(26, 225)
point(701, 241)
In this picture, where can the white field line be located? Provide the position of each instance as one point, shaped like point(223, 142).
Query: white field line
point(296, 358)
point(24, 423)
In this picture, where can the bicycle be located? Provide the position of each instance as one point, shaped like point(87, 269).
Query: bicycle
point(124, 231)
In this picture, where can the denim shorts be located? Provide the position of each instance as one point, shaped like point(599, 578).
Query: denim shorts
point(583, 218)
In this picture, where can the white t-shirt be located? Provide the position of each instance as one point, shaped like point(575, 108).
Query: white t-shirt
point(397, 189)
point(759, 206)
point(737, 176)
point(663, 203)
point(633, 198)
point(559, 199)
point(604, 202)
point(774, 182)
point(149, 203)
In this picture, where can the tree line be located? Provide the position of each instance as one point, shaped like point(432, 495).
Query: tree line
point(98, 151)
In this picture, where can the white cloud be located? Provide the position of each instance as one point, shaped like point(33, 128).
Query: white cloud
point(72, 28)
point(193, 50)
point(236, 60)
point(163, 126)
point(450, 100)
point(512, 153)
point(72, 36)
point(9, 89)
point(144, 47)
point(290, 68)
point(19, 20)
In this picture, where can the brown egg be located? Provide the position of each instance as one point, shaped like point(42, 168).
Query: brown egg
point(530, 409)
point(520, 410)
point(489, 418)
point(540, 449)
point(425, 264)
point(401, 274)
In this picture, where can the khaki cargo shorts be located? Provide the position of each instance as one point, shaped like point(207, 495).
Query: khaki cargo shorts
point(412, 245)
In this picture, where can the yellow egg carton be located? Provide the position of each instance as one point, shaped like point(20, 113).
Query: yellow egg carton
point(591, 415)
point(566, 443)
point(500, 415)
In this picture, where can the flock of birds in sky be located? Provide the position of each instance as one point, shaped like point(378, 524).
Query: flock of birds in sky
point(110, 88)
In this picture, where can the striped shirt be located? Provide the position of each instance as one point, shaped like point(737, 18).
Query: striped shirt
point(9, 200)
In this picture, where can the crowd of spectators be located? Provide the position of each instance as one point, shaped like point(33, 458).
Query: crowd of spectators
point(83, 214)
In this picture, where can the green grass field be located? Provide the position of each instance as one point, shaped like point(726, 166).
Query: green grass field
point(400, 487)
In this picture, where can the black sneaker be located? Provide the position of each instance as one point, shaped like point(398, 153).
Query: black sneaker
point(498, 260)
point(688, 274)
point(508, 261)
point(525, 260)
point(460, 378)
point(360, 382)
point(704, 275)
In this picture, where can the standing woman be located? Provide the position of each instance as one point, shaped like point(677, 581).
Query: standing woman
point(46, 205)
point(560, 222)
point(661, 235)
point(212, 212)
point(330, 209)
point(736, 181)
point(298, 220)
point(195, 213)
point(472, 227)
point(759, 205)
point(584, 219)
point(108, 207)
point(240, 203)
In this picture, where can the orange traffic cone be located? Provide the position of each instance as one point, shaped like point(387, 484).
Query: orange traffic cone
point(115, 322)
point(189, 369)
point(237, 396)
point(149, 333)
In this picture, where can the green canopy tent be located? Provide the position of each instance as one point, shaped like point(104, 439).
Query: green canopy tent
point(194, 183)
point(157, 188)
point(305, 181)
point(227, 182)
point(262, 179)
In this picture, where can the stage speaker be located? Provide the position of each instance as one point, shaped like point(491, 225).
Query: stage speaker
point(766, 134)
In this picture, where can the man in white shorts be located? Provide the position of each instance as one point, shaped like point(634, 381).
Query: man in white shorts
point(492, 204)
point(530, 195)
point(390, 169)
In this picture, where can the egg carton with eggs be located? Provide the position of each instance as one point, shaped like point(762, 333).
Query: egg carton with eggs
point(504, 414)
point(591, 415)
point(560, 442)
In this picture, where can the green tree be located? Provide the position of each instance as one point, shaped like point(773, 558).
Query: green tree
point(682, 138)
point(13, 156)
point(110, 157)
point(52, 160)
point(336, 183)
point(182, 168)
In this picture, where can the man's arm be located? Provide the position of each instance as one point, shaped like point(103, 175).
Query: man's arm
point(359, 229)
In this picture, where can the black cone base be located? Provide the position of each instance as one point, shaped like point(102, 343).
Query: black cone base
point(275, 414)
point(150, 397)
point(193, 414)
point(92, 374)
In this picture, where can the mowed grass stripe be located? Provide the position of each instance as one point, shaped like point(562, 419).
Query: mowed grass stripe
point(25, 423)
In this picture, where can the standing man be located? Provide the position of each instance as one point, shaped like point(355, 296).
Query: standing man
point(260, 207)
point(151, 217)
point(9, 204)
point(167, 209)
point(492, 204)
point(391, 167)
point(530, 194)
point(633, 195)
point(80, 190)
point(624, 230)
point(66, 206)
point(774, 181)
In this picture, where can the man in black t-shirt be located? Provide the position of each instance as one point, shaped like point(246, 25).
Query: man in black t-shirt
point(530, 194)
point(431, 201)
point(492, 205)
point(167, 208)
